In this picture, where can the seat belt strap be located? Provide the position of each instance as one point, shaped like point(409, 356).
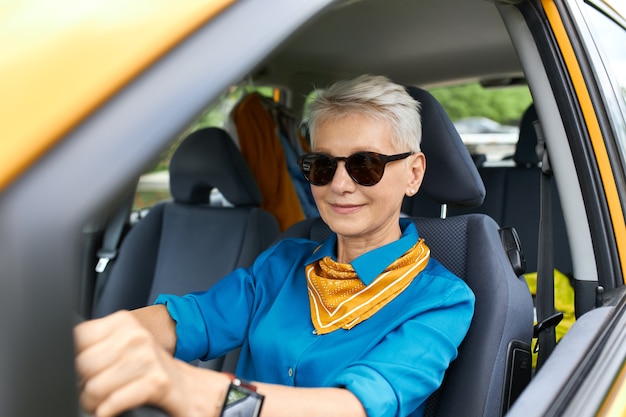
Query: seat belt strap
point(110, 243)
point(547, 318)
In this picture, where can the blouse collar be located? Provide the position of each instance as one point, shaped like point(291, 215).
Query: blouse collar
point(371, 264)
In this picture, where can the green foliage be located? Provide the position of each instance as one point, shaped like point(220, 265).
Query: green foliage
point(504, 105)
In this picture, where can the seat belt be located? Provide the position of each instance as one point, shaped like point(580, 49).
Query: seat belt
point(110, 244)
point(547, 317)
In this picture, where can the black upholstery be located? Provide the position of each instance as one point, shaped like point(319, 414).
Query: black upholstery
point(186, 245)
point(525, 150)
point(480, 382)
point(208, 159)
point(451, 176)
point(513, 199)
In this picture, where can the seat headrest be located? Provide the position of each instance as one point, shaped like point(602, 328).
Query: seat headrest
point(451, 175)
point(207, 159)
point(479, 159)
point(525, 153)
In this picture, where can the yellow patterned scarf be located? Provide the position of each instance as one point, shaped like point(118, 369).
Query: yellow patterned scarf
point(339, 299)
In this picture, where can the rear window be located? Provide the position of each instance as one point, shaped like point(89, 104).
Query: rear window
point(487, 116)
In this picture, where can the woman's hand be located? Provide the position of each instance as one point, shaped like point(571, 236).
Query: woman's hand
point(124, 361)
point(121, 366)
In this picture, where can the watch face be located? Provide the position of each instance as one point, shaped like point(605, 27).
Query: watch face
point(241, 402)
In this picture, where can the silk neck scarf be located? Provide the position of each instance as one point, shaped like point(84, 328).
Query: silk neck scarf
point(339, 299)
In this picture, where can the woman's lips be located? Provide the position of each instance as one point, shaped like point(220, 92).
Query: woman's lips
point(345, 208)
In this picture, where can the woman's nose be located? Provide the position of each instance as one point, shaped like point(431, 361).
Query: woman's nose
point(342, 181)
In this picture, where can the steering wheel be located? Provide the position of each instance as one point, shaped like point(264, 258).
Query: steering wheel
point(145, 411)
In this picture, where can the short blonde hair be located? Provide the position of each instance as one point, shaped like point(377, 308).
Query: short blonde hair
point(374, 96)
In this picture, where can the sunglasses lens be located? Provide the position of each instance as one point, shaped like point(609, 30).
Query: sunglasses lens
point(365, 168)
point(318, 169)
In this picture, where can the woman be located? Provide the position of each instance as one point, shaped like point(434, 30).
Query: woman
point(364, 324)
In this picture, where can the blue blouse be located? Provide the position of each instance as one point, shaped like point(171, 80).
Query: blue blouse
point(392, 362)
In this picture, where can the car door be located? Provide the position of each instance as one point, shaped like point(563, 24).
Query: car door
point(92, 91)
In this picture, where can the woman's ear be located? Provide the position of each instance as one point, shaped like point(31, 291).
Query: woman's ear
point(417, 167)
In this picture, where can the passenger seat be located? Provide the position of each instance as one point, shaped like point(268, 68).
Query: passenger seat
point(186, 244)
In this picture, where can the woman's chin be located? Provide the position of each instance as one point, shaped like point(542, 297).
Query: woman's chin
point(346, 225)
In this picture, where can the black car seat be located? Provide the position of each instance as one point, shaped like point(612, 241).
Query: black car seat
point(521, 199)
point(512, 199)
point(186, 244)
point(494, 363)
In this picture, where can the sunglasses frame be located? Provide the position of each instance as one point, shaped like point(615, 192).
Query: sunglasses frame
point(346, 159)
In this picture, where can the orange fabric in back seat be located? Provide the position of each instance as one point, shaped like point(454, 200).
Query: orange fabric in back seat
point(261, 148)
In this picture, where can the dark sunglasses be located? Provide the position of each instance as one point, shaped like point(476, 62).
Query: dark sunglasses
point(365, 168)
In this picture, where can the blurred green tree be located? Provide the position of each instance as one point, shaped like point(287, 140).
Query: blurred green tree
point(504, 105)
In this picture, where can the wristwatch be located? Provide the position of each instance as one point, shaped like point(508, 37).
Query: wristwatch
point(242, 399)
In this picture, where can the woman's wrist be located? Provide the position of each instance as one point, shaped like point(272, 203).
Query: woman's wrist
point(199, 392)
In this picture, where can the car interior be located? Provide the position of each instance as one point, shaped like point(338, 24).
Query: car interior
point(166, 252)
point(457, 188)
point(235, 188)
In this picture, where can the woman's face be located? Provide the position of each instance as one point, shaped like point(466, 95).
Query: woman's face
point(367, 214)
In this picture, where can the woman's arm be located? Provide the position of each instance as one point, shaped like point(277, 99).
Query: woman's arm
point(158, 321)
point(125, 361)
point(308, 402)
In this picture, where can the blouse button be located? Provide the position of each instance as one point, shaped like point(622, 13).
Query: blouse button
point(290, 372)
